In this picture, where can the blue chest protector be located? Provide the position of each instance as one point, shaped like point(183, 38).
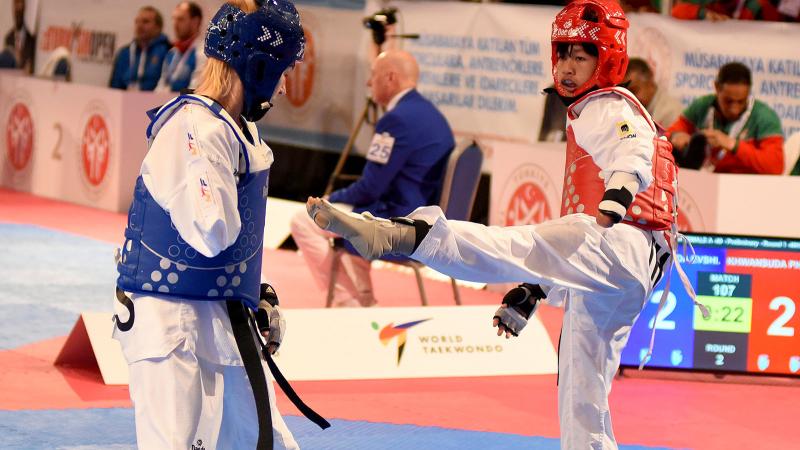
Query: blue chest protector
point(155, 259)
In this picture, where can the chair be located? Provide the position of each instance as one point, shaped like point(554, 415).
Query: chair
point(791, 152)
point(58, 65)
point(460, 184)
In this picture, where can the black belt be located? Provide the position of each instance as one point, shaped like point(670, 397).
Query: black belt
point(243, 326)
point(252, 366)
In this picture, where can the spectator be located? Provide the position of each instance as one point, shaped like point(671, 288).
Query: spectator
point(20, 40)
point(184, 63)
point(733, 132)
point(718, 10)
point(663, 108)
point(7, 59)
point(138, 66)
point(405, 169)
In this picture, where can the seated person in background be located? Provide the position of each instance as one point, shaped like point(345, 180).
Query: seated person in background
point(184, 63)
point(733, 132)
point(138, 66)
point(663, 108)
point(20, 41)
point(718, 10)
point(7, 59)
point(405, 168)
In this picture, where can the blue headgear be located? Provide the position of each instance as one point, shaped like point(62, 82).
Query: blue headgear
point(259, 46)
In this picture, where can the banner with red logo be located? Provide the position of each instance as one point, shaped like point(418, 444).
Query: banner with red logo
point(527, 189)
point(317, 110)
point(527, 184)
point(85, 148)
point(421, 342)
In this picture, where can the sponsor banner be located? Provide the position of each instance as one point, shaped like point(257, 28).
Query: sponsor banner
point(372, 343)
point(486, 69)
point(75, 149)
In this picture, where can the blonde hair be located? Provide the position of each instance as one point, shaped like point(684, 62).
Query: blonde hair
point(217, 78)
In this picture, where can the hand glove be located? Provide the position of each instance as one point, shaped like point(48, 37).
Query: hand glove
point(518, 306)
point(269, 319)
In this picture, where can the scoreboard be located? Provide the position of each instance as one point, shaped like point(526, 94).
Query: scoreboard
point(751, 285)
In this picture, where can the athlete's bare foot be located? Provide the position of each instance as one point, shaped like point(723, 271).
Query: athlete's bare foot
point(371, 236)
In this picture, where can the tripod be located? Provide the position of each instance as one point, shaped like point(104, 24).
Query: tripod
point(369, 107)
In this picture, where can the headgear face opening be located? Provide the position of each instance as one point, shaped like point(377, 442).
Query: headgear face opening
point(598, 22)
point(259, 46)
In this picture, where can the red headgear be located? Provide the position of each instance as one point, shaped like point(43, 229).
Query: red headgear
point(598, 22)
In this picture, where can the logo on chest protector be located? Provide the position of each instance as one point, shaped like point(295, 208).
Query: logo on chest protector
point(198, 445)
point(625, 130)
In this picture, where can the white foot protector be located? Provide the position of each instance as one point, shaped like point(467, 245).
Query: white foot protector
point(371, 236)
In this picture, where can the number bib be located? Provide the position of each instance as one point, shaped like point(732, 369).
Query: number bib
point(380, 149)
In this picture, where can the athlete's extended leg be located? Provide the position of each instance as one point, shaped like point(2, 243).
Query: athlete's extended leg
point(571, 252)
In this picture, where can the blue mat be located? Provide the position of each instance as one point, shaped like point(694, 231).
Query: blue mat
point(49, 278)
point(113, 429)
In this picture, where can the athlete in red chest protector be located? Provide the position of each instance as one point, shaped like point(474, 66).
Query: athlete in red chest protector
point(600, 259)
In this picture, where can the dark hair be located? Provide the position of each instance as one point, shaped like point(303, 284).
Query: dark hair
point(563, 49)
point(638, 65)
point(159, 19)
point(734, 73)
point(195, 11)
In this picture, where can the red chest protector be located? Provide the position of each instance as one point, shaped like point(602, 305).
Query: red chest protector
point(654, 209)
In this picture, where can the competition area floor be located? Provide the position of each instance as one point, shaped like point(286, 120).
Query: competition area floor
point(56, 261)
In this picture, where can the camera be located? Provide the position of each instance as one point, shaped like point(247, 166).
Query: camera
point(377, 23)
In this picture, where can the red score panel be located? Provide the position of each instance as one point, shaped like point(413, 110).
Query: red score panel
point(774, 344)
